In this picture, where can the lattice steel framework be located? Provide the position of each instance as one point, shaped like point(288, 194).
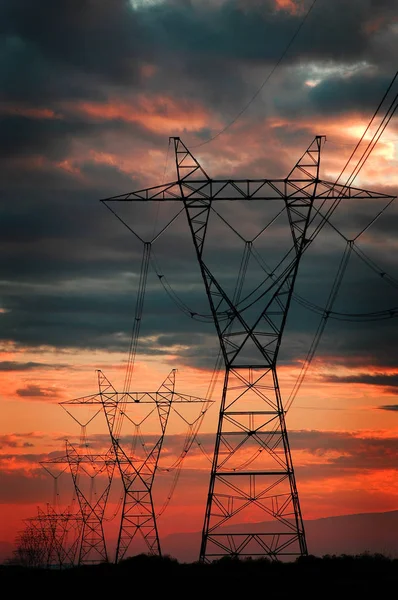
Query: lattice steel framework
point(137, 473)
point(52, 537)
point(92, 507)
point(252, 416)
point(91, 540)
point(92, 547)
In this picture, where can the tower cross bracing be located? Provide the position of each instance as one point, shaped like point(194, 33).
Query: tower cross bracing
point(253, 507)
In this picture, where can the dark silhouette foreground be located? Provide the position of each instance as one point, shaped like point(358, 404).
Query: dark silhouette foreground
point(343, 576)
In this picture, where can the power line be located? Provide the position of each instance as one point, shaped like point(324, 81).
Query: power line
point(274, 68)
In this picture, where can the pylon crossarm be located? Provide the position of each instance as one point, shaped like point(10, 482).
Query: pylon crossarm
point(333, 191)
point(221, 190)
point(90, 399)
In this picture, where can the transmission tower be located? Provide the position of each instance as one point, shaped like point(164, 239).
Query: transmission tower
point(252, 471)
point(53, 537)
point(138, 472)
point(92, 507)
point(85, 464)
point(90, 543)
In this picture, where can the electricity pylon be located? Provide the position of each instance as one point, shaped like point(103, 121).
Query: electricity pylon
point(84, 468)
point(92, 507)
point(138, 472)
point(87, 466)
point(252, 471)
point(138, 512)
point(47, 538)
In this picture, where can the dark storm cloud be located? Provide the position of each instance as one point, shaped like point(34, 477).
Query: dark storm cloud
point(343, 451)
point(16, 440)
point(362, 345)
point(23, 458)
point(392, 407)
point(380, 379)
point(72, 259)
point(355, 345)
point(99, 320)
point(25, 135)
point(53, 230)
point(199, 49)
point(28, 136)
point(346, 94)
point(16, 487)
point(334, 94)
point(9, 365)
point(36, 391)
point(98, 40)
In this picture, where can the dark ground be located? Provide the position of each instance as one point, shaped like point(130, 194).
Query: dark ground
point(142, 576)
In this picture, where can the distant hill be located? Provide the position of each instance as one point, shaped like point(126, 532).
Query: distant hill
point(374, 533)
point(348, 534)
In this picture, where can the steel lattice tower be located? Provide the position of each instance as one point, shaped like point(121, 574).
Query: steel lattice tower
point(252, 415)
point(51, 530)
point(138, 512)
point(93, 544)
point(91, 540)
point(138, 473)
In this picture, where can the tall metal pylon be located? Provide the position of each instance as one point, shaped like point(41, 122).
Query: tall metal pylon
point(252, 471)
point(251, 412)
point(83, 464)
point(138, 511)
point(52, 532)
point(138, 472)
point(93, 545)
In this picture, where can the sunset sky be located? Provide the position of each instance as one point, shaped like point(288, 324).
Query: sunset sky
point(90, 93)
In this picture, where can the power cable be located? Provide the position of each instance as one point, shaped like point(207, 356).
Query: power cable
point(240, 113)
point(363, 158)
point(311, 352)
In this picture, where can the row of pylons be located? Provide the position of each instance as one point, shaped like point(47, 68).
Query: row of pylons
point(252, 507)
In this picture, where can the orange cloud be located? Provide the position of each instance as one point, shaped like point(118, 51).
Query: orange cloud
point(161, 114)
point(291, 6)
point(27, 111)
point(148, 70)
point(374, 25)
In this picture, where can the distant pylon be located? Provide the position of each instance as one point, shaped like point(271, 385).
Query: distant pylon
point(138, 473)
point(93, 545)
point(87, 466)
point(252, 472)
point(138, 512)
point(57, 534)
